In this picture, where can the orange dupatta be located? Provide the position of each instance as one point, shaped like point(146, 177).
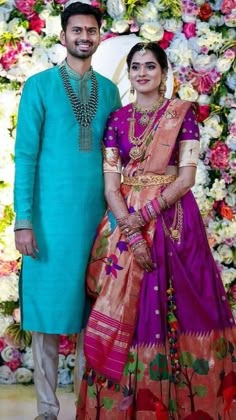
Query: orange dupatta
point(111, 324)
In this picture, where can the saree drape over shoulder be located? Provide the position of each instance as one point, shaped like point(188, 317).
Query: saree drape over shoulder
point(158, 344)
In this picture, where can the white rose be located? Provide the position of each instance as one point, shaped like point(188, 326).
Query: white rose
point(64, 377)
point(70, 361)
point(56, 54)
point(173, 25)
point(216, 20)
point(231, 142)
point(159, 5)
point(225, 253)
point(202, 176)
point(147, 14)
point(227, 100)
point(228, 275)
point(178, 51)
point(27, 358)
point(33, 38)
point(231, 80)
point(187, 92)
point(204, 99)
point(218, 190)
point(9, 288)
point(53, 25)
point(61, 363)
point(152, 31)
point(8, 353)
point(7, 377)
point(213, 126)
point(231, 199)
point(120, 26)
point(23, 376)
point(3, 26)
point(16, 28)
point(204, 62)
point(223, 63)
point(116, 9)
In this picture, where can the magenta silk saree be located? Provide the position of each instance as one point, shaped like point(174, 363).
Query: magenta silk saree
point(158, 345)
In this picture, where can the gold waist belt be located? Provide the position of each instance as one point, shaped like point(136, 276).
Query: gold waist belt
point(148, 180)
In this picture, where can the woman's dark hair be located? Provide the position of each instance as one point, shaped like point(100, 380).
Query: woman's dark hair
point(157, 51)
point(79, 8)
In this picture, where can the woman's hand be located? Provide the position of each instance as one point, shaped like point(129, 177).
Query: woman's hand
point(130, 223)
point(143, 257)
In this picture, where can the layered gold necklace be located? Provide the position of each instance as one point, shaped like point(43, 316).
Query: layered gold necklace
point(136, 151)
point(145, 118)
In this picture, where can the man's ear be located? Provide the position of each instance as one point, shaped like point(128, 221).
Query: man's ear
point(62, 38)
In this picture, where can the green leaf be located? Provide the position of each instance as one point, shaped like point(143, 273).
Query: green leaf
point(187, 359)
point(159, 368)
point(91, 391)
point(201, 366)
point(220, 348)
point(108, 403)
point(200, 390)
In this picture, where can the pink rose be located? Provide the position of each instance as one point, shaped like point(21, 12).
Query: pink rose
point(26, 7)
point(165, 42)
point(3, 344)
point(13, 364)
point(189, 30)
point(219, 155)
point(7, 267)
point(67, 345)
point(227, 6)
point(232, 129)
point(205, 84)
point(10, 56)
point(16, 315)
point(36, 24)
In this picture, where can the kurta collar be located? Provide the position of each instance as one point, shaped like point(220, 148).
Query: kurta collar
point(73, 75)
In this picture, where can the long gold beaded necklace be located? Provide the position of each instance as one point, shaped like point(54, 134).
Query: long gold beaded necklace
point(136, 151)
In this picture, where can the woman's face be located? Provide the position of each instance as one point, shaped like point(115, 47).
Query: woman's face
point(145, 72)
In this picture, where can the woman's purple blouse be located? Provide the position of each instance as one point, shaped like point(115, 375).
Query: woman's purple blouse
point(117, 132)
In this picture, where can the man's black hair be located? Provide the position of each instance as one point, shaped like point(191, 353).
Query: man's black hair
point(79, 8)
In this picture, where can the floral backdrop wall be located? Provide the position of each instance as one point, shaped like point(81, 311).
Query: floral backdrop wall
point(199, 39)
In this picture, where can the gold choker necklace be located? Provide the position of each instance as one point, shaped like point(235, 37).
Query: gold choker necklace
point(145, 118)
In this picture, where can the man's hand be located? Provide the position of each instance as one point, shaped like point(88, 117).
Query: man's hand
point(25, 242)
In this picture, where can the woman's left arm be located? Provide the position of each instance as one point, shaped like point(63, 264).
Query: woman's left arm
point(183, 183)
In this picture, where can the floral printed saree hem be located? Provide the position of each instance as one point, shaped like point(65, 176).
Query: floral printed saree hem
point(205, 390)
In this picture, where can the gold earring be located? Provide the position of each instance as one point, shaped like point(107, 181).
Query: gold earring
point(132, 91)
point(162, 86)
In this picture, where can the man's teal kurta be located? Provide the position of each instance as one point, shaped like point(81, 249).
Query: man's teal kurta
point(59, 189)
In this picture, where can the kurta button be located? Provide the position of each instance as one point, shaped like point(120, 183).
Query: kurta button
point(155, 288)
point(157, 312)
point(157, 335)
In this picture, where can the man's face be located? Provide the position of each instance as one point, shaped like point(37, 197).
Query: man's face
point(82, 36)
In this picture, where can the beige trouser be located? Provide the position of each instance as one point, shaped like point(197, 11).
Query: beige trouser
point(45, 355)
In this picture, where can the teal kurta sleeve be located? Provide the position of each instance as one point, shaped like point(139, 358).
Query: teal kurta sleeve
point(29, 128)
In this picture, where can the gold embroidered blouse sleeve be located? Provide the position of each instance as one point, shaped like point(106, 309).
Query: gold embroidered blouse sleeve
point(111, 160)
point(188, 153)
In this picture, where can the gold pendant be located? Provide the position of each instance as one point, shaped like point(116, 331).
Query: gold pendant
point(135, 153)
point(144, 120)
point(174, 233)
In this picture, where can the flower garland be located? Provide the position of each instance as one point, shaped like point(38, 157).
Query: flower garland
point(199, 39)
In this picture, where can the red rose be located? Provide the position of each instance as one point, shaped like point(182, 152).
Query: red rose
point(165, 42)
point(36, 24)
point(223, 209)
point(203, 112)
point(205, 11)
point(219, 155)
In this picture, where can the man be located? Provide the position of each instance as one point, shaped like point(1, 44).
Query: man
point(59, 192)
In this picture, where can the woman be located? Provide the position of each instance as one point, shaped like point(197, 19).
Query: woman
point(160, 340)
